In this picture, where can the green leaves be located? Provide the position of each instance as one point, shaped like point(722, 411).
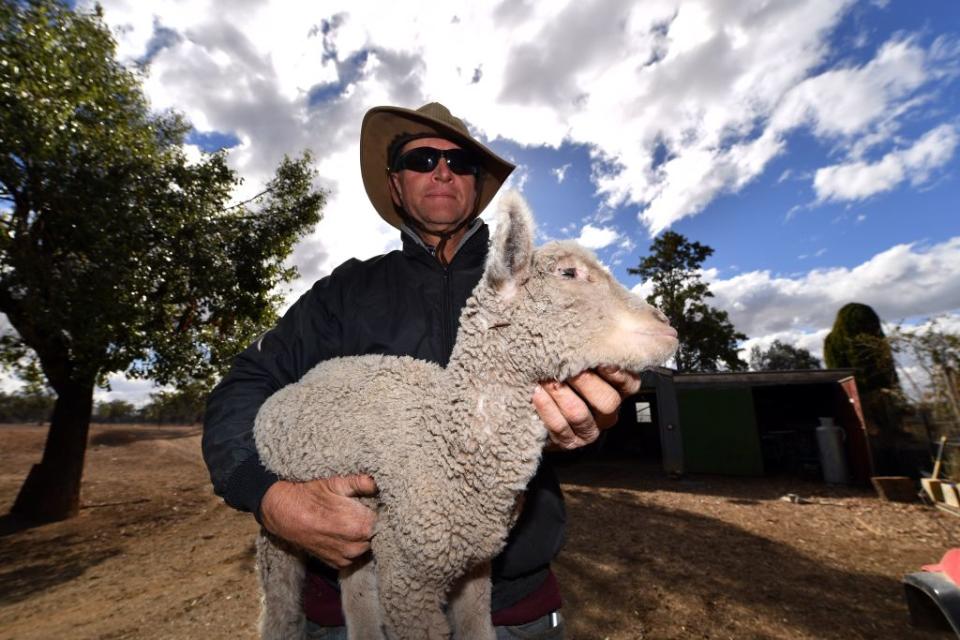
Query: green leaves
point(707, 338)
point(856, 341)
point(780, 356)
point(115, 253)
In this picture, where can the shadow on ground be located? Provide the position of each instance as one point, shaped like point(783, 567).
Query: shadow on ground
point(673, 569)
point(617, 473)
point(121, 437)
point(40, 567)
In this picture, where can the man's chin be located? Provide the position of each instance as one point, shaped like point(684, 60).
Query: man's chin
point(442, 223)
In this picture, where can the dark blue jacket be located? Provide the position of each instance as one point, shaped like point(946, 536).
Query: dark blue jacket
point(401, 303)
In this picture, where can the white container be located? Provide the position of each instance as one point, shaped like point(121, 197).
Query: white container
point(833, 457)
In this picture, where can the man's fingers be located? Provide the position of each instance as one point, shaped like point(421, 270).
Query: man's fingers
point(567, 417)
point(323, 516)
point(572, 406)
point(342, 555)
point(575, 412)
point(625, 382)
point(557, 426)
point(355, 486)
point(357, 519)
point(603, 398)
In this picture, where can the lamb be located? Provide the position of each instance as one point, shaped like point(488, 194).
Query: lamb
point(451, 449)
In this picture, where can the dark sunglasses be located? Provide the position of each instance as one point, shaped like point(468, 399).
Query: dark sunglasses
point(425, 159)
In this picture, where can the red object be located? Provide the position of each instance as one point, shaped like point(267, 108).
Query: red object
point(536, 605)
point(849, 414)
point(949, 565)
point(321, 603)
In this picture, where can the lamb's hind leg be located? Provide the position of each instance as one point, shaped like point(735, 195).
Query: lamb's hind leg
point(361, 602)
point(412, 608)
point(281, 585)
point(470, 606)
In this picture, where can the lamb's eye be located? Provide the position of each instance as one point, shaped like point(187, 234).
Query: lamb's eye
point(568, 272)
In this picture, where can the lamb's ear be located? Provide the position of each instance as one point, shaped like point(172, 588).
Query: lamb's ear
point(511, 253)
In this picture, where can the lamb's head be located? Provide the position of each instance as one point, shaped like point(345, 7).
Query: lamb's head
point(560, 308)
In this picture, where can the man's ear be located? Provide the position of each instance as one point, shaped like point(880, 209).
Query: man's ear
point(511, 252)
point(394, 185)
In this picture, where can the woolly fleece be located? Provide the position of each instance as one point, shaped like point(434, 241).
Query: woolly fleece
point(450, 449)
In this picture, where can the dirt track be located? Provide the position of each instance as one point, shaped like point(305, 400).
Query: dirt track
point(155, 555)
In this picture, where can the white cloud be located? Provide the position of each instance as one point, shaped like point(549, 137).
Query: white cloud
point(703, 101)
point(644, 289)
point(811, 341)
point(854, 108)
point(715, 86)
point(136, 392)
point(593, 237)
point(708, 89)
point(905, 281)
point(859, 180)
point(560, 173)
point(846, 101)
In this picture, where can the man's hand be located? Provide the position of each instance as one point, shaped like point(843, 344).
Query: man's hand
point(322, 516)
point(576, 411)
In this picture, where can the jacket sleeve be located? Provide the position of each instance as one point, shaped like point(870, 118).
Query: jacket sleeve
point(309, 332)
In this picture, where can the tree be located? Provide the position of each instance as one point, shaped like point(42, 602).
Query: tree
point(114, 411)
point(780, 356)
point(936, 352)
point(707, 338)
point(856, 341)
point(183, 406)
point(26, 407)
point(116, 254)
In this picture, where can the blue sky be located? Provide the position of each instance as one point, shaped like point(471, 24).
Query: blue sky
point(811, 143)
point(775, 223)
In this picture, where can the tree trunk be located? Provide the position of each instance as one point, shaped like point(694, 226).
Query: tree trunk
point(52, 488)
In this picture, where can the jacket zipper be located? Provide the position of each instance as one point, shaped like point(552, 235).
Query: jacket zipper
point(447, 304)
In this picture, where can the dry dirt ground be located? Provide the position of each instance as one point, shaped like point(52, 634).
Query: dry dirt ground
point(154, 554)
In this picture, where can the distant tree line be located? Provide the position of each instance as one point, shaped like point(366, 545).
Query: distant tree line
point(780, 356)
point(184, 406)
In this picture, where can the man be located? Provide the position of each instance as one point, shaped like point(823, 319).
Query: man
point(426, 175)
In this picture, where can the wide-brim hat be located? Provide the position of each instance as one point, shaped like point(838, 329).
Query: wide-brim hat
point(382, 126)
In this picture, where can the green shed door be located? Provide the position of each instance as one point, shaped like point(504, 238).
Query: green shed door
point(719, 430)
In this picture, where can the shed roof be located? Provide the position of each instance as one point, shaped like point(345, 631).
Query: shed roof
point(760, 378)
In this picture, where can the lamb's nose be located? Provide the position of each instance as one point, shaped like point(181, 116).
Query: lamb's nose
point(660, 316)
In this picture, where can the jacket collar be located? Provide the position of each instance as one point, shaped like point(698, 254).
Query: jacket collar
point(471, 251)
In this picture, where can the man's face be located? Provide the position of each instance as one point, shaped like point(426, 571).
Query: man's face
point(438, 199)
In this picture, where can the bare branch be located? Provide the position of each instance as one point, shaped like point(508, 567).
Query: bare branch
point(247, 201)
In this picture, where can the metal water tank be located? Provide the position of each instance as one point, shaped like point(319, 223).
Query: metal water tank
point(833, 457)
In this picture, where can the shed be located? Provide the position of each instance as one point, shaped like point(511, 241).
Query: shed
point(743, 423)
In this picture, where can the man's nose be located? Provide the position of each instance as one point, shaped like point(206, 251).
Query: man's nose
point(442, 171)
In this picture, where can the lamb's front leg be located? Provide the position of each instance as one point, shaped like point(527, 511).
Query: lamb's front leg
point(470, 606)
point(361, 602)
